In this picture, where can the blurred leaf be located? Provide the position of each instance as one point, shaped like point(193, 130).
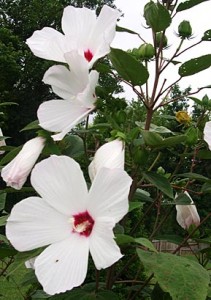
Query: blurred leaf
point(182, 199)
point(207, 35)
point(151, 138)
point(188, 4)
point(135, 205)
point(73, 146)
point(124, 239)
point(175, 239)
point(128, 67)
point(157, 16)
point(8, 103)
point(6, 251)
point(206, 187)
point(3, 220)
point(122, 29)
point(195, 65)
point(191, 136)
point(193, 176)
point(2, 200)
point(9, 156)
point(142, 196)
point(196, 100)
point(32, 125)
point(204, 154)
point(146, 243)
point(173, 141)
point(159, 182)
point(182, 278)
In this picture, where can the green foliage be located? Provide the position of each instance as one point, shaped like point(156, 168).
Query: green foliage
point(172, 272)
point(195, 65)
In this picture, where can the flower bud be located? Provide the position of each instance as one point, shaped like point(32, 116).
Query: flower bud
point(183, 117)
point(16, 172)
point(161, 37)
point(187, 215)
point(111, 155)
point(185, 30)
point(146, 51)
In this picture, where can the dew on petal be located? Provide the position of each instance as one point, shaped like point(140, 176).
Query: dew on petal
point(83, 223)
point(88, 55)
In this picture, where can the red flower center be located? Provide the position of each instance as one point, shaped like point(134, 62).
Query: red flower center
point(83, 223)
point(88, 55)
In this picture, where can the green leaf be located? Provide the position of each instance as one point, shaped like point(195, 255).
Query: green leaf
point(8, 103)
point(188, 4)
point(152, 139)
point(173, 140)
point(128, 67)
point(207, 35)
point(2, 200)
point(182, 199)
point(6, 250)
point(142, 196)
point(195, 176)
point(195, 65)
point(124, 239)
point(157, 16)
point(180, 277)
point(206, 187)
point(9, 156)
point(122, 29)
point(191, 136)
point(73, 146)
point(172, 238)
point(3, 220)
point(204, 154)
point(135, 205)
point(146, 243)
point(196, 100)
point(160, 182)
point(32, 125)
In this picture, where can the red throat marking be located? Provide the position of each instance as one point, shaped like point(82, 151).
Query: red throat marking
point(88, 55)
point(83, 223)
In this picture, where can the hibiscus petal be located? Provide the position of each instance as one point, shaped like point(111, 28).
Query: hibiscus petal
point(78, 23)
point(103, 248)
point(103, 157)
point(207, 134)
point(60, 182)
point(33, 224)
point(63, 266)
point(61, 116)
point(48, 43)
point(108, 196)
point(103, 32)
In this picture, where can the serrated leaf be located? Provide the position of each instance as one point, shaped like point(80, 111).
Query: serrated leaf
point(128, 67)
point(188, 4)
point(146, 243)
point(157, 16)
point(207, 35)
point(195, 65)
point(182, 278)
point(159, 182)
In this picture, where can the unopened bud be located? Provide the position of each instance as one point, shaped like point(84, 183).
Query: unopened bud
point(146, 51)
point(185, 30)
point(161, 38)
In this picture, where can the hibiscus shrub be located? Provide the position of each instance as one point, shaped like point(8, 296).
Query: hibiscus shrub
point(111, 178)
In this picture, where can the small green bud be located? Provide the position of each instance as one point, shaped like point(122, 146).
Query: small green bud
point(185, 30)
point(161, 37)
point(146, 51)
point(161, 171)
